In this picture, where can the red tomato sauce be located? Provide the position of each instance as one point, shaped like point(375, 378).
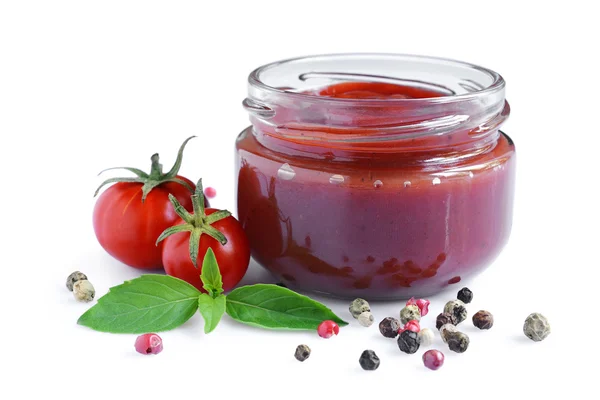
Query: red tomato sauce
point(386, 223)
point(376, 90)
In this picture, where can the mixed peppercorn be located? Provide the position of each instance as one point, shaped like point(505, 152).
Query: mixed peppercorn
point(368, 360)
point(148, 343)
point(407, 330)
point(536, 327)
point(483, 319)
point(82, 288)
point(410, 337)
point(302, 352)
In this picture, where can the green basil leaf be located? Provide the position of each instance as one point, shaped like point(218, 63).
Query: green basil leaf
point(150, 303)
point(211, 276)
point(212, 309)
point(275, 307)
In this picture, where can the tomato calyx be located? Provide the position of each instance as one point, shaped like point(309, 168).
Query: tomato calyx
point(156, 176)
point(197, 223)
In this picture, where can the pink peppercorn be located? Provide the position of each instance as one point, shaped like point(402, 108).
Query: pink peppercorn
point(327, 329)
point(433, 359)
point(423, 305)
point(412, 325)
point(149, 343)
point(210, 192)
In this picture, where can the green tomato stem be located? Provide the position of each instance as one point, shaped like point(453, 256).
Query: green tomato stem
point(197, 223)
point(155, 178)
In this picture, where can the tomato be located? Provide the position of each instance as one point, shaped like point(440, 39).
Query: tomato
point(233, 257)
point(131, 214)
point(127, 228)
point(211, 228)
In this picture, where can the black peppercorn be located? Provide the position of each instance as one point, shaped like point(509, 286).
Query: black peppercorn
point(465, 295)
point(443, 319)
point(302, 352)
point(368, 360)
point(389, 327)
point(457, 341)
point(483, 319)
point(408, 342)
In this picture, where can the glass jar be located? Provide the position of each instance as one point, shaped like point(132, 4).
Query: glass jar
point(375, 175)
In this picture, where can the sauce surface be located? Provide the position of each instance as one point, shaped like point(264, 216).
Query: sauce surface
point(376, 90)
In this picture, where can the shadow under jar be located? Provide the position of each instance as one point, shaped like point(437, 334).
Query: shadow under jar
point(375, 176)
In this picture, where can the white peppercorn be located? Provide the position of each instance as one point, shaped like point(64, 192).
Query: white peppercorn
point(426, 337)
point(84, 291)
point(366, 319)
point(536, 327)
point(410, 313)
point(359, 306)
point(74, 277)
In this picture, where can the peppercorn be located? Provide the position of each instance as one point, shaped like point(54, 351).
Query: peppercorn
point(433, 359)
point(302, 352)
point(465, 295)
point(443, 319)
point(74, 277)
point(426, 337)
point(445, 330)
point(148, 343)
point(483, 319)
point(368, 360)
point(366, 319)
point(389, 327)
point(457, 309)
point(408, 342)
point(409, 313)
point(359, 306)
point(327, 329)
point(412, 325)
point(457, 341)
point(536, 327)
point(423, 305)
point(460, 314)
point(83, 291)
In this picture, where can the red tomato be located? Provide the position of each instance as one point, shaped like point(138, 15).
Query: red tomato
point(127, 225)
point(127, 228)
point(233, 257)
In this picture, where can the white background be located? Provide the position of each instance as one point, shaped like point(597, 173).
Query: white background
point(86, 85)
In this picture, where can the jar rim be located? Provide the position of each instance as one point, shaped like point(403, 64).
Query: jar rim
point(497, 81)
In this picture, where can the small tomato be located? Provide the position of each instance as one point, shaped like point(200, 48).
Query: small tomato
point(188, 242)
point(132, 213)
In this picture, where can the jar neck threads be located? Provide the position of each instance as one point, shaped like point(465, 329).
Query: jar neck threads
point(287, 111)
